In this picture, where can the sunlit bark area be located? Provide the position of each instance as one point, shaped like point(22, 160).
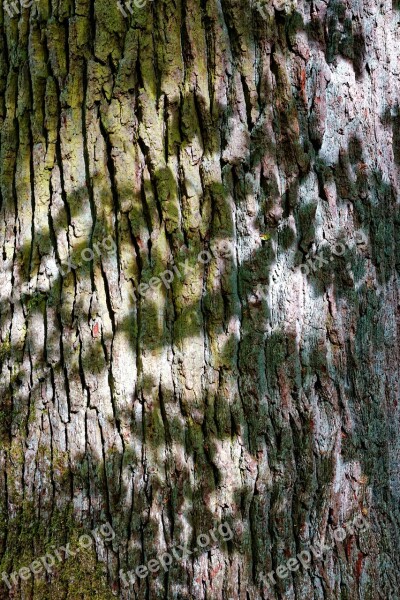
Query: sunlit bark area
point(199, 268)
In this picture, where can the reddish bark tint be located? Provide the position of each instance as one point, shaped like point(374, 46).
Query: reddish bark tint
point(251, 391)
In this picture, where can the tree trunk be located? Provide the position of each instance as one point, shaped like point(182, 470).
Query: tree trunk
point(248, 157)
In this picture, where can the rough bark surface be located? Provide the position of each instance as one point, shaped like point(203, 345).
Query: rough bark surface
point(254, 391)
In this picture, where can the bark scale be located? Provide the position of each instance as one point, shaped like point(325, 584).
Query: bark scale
point(259, 387)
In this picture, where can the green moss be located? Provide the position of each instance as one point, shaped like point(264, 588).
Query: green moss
point(5, 419)
point(295, 24)
point(82, 576)
point(38, 298)
point(5, 350)
point(29, 538)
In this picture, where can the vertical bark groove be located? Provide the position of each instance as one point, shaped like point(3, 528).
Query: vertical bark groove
point(258, 388)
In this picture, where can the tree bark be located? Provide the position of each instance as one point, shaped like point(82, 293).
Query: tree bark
point(250, 155)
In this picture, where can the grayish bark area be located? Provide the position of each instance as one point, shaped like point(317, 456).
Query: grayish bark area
point(254, 391)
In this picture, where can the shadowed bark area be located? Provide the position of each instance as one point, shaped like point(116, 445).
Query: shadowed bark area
point(260, 387)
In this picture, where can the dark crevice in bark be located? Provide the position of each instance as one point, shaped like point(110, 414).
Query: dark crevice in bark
point(88, 183)
point(114, 186)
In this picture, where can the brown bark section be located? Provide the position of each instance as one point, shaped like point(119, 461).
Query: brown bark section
point(252, 391)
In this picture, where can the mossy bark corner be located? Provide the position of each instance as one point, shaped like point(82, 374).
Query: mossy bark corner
point(253, 391)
